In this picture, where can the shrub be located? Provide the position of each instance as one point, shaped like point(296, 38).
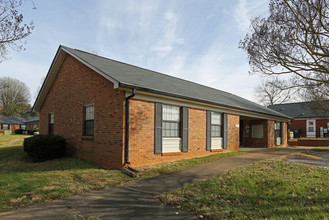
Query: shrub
point(44, 147)
point(18, 131)
point(34, 130)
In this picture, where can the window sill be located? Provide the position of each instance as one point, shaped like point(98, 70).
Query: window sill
point(90, 138)
point(172, 154)
point(217, 150)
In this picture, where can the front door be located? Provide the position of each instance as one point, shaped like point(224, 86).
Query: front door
point(310, 128)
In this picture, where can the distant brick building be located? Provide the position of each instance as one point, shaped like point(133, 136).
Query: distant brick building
point(91, 100)
point(311, 122)
point(10, 124)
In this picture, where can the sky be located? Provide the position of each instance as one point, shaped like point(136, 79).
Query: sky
point(196, 40)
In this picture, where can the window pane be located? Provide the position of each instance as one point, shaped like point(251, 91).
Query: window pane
point(257, 131)
point(170, 129)
point(51, 118)
point(89, 128)
point(51, 128)
point(215, 131)
point(89, 111)
point(215, 118)
point(170, 113)
point(278, 129)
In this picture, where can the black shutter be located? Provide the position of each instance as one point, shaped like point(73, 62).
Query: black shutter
point(208, 130)
point(225, 131)
point(281, 126)
point(158, 129)
point(185, 130)
point(275, 133)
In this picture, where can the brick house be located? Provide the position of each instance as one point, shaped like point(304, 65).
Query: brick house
point(310, 122)
point(9, 124)
point(91, 100)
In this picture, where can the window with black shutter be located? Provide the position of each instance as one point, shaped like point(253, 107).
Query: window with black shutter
point(88, 129)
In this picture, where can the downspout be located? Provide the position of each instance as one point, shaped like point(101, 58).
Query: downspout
point(127, 127)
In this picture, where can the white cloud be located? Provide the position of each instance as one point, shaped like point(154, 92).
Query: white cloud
point(162, 49)
point(245, 10)
point(169, 38)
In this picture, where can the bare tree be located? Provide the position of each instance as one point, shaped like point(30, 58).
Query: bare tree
point(12, 29)
point(274, 91)
point(318, 95)
point(14, 97)
point(294, 39)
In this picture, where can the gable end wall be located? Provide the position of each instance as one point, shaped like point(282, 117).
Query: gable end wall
point(75, 86)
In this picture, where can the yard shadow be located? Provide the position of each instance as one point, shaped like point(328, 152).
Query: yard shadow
point(14, 159)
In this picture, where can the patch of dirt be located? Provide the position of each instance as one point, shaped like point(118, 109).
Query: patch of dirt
point(314, 158)
point(10, 142)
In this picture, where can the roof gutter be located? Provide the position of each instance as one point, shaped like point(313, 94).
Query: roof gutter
point(127, 127)
point(122, 85)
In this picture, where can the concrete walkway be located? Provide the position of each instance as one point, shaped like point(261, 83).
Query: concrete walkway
point(136, 200)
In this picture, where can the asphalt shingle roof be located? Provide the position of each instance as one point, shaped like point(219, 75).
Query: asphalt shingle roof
point(17, 120)
point(298, 110)
point(129, 76)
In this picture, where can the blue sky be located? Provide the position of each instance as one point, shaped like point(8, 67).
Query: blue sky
point(196, 40)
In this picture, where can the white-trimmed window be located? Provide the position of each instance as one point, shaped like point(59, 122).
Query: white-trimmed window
point(23, 127)
point(51, 120)
point(171, 129)
point(257, 131)
point(170, 121)
point(216, 124)
point(216, 130)
point(278, 133)
point(88, 129)
point(5, 126)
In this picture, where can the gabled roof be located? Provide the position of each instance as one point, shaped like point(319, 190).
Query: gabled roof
point(10, 120)
point(298, 110)
point(17, 120)
point(128, 76)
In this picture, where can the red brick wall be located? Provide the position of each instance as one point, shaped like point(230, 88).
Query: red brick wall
point(75, 86)
point(142, 135)
point(233, 134)
point(301, 124)
point(248, 141)
point(306, 142)
point(321, 123)
point(268, 139)
point(11, 128)
point(271, 135)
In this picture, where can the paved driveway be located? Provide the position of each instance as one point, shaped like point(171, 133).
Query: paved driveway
point(315, 158)
point(136, 200)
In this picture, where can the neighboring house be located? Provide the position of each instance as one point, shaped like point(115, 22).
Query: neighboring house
point(31, 122)
point(91, 100)
point(312, 123)
point(10, 124)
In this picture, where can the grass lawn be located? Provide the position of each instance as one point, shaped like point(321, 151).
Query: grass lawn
point(305, 138)
point(262, 190)
point(321, 149)
point(169, 167)
point(24, 182)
